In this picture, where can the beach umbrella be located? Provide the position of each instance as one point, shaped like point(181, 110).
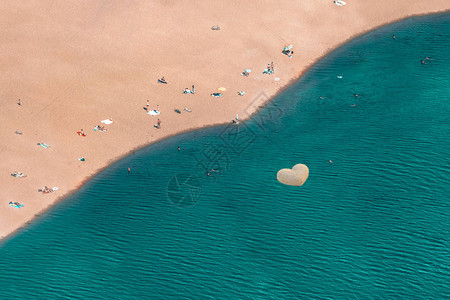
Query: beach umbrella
point(247, 70)
point(295, 176)
point(222, 89)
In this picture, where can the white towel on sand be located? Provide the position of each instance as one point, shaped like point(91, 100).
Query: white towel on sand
point(340, 3)
point(107, 121)
point(153, 112)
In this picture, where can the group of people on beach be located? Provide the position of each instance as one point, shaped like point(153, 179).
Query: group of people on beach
point(269, 69)
point(188, 91)
point(46, 190)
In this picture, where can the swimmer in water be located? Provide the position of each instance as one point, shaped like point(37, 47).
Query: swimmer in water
point(179, 149)
point(330, 161)
point(129, 170)
point(422, 62)
point(356, 95)
point(393, 36)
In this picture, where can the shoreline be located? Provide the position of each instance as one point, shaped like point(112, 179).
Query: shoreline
point(292, 80)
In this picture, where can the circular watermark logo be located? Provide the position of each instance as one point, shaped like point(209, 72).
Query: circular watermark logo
point(184, 190)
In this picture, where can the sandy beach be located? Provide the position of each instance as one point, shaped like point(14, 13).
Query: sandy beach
point(73, 64)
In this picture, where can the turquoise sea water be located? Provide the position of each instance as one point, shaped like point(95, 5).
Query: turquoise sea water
point(374, 223)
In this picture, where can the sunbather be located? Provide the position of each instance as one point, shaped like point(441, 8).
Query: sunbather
point(44, 145)
point(158, 124)
point(187, 91)
point(18, 174)
point(162, 80)
point(15, 204)
point(216, 95)
point(81, 133)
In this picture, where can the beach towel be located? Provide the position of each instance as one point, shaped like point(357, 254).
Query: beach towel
point(99, 129)
point(339, 3)
point(107, 121)
point(80, 133)
point(153, 112)
point(187, 109)
point(246, 72)
point(16, 204)
point(18, 174)
point(44, 145)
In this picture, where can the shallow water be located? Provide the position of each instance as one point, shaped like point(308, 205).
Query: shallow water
point(373, 224)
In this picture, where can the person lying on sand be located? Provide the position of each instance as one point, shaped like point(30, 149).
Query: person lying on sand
point(18, 174)
point(162, 80)
point(187, 91)
point(100, 128)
